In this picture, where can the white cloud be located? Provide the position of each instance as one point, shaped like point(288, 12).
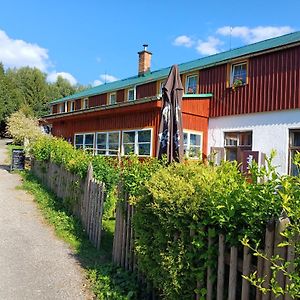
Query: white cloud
point(18, 53)
point(52, 77)
point(184, 40)
point(104, 78)
point(209, 47)
point(255, 34)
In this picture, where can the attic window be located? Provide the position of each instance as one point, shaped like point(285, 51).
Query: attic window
point(238, 74)
point(112, 98)
point(191, 84)
point(131, 94)
point(85, 103)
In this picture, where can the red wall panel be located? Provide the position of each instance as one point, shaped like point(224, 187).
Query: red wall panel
point(146, 90)
point(274, 84)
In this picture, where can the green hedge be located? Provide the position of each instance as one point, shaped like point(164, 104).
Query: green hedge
point(178, 206)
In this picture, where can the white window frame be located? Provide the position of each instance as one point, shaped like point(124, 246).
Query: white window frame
point(109, 98)
point(136, 144)
point(62, 107)
point(134, 93)
point(84, 140)
point(292, 148)
point(107, 150)
point(85, 103)
point(187, 83)
point(161, 84)
point(76, 134)
point(189, 132)
point(72, 105)
point(232, 68)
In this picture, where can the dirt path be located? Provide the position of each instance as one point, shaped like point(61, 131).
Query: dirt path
point(34, 264)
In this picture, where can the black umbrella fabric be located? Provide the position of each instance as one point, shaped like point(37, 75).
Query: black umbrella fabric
point(170, 141)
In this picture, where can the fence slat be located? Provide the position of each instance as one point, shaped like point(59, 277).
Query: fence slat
point(281, 225)
point(246, 271)
point(269, 245)
point(221, 267)
point(260, 269)
point(232, 274)
point(209, 282)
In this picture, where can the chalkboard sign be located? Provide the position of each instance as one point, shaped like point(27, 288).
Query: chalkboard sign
point(18, 159)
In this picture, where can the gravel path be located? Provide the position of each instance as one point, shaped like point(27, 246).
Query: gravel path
point(34, 264)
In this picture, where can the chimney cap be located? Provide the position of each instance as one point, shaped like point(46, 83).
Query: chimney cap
point(145, 47)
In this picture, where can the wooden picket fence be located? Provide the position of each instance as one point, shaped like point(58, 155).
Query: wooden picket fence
point(231, 262)
point(84, 197)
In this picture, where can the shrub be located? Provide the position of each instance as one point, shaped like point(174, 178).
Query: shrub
point(22, 127)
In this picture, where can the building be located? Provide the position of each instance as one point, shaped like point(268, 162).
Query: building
point(245, 99)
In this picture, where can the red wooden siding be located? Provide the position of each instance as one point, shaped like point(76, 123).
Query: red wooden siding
point(78, 104)
point(94, 101)
point(195, 117)
point(102, 99)
point(54, 108)
point(146, 90)
point(274, 84)
point(121, 96)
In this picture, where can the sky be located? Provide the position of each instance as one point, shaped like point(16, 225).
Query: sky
point(92, 42)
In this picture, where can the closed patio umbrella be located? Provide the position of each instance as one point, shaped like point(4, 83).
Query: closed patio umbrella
point(170, 140)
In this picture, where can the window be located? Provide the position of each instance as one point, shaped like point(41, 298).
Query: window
point(112, 98)
point(84, 141)
point(79, 141)
point(191, 85)
point(160, 87)
point(85, 103)
point(236, 143)
point(72, 105)
point(62, 107)
point(294, 147)
point(108, 143)
point(238, 74)
point(131, 94)
point(192, 143)
point(137, 142)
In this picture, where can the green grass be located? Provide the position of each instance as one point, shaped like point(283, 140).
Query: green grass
point(107, 281)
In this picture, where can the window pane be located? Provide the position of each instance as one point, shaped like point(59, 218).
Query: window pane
point(89, 139)
point(194, 151)
point(113, 137)
point(144, 149)
point(128, 137)
point(185, 138)
point(231, 154)
point(296, 139)
point(195, 139)
point(191, 87)
point(144, 136)
point(131, 94)
point(79, 139)
point(231, 139)
point(294, 169)
point(101, 152)
point(112, 98)
point(239, 72)
point(101, 138)
point(128, 149)
point(245, 139)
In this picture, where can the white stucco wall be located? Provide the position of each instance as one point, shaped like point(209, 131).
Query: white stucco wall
point(269, 131)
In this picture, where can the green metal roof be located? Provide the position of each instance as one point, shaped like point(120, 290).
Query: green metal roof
point(200, 63)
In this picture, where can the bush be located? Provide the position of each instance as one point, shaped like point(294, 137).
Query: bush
point(22, 127)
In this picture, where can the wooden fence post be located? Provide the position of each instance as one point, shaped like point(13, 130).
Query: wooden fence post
point(221, 268)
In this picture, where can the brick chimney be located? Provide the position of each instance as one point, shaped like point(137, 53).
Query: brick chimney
point(144, 61)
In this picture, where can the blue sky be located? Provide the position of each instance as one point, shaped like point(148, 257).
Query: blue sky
point(92, 41)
